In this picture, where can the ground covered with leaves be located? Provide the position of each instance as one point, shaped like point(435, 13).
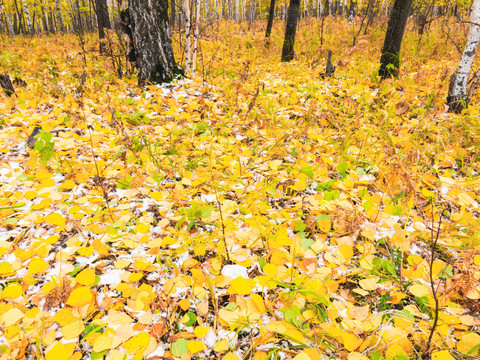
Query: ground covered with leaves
point(259, 211)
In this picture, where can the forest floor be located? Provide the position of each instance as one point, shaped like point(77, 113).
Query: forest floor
point(256, 212)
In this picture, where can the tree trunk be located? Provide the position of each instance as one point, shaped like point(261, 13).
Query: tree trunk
point(151, 38)
point(271, 15)
point(58, 9)
point(390, 60)
point(458, 96)
point(290, 30)
point(103, 21)
point(172, 14)
point(28, 18)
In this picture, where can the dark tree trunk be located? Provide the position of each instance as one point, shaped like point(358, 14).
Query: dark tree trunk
point(290, 30)
point(390, 60)
point(103, 21)
point(271, 15)
point(172, 14)
point(152, 42)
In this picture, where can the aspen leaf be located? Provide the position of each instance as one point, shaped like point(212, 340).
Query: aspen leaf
point(80, 297)
point(73, 330)
point(55, 219)
point(180, 347)
point(86, 277)
point(241, 286)
point(442, 355)
point(37, 266)
point(221, 345)
point(368, 284)
point(102, 343)
point(5, 268)
point(11, 317)
point(324, 223)
point(302, 356)
point(60, 352)
point(469, 344)
point(230, 356)
point(138, 341)
point(195, 346)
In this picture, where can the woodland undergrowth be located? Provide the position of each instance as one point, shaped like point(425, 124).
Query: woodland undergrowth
point(259, 211)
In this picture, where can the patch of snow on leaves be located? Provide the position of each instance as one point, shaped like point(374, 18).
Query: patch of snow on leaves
point(235, 271)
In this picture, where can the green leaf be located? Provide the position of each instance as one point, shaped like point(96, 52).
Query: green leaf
point(179, 348)
point(93, 329)
point(342, 167)
point(376, 356)
point(308, 171)
point(307, 243)
point(291, 313)
point(192, 318)
point(97, 355)
point(231, 306)
point(262, 262)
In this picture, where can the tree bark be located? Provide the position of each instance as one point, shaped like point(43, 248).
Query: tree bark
point(290, 30)
point(271, 15)
point(28, 18)
point(390, 60)
point(152, 42)
point(458, 96)
point(172, 14)
point(103, 21)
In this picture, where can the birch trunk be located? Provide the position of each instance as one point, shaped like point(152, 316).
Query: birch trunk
point(196, 34)
point(28, 18)
point(58, 9)
point(188, 36)
point(458, 95)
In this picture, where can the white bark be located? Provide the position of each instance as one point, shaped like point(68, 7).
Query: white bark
point(28, 18)
point(459, 81)
point(188, 36)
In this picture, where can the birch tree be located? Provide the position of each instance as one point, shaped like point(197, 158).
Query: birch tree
point(458, 92)
point(28, 18)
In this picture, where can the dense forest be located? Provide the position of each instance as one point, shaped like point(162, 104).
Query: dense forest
point(239, 179)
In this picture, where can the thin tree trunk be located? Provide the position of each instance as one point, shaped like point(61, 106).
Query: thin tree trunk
point(271, 15)
point(103, 21)
point(290, 30)
point(188, 36)
point(390, 60)
point(28, 18)
point(196, 34)
point(458, 96)
point(172, 14)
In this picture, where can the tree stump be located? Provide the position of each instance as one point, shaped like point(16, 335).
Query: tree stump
point(7, 84)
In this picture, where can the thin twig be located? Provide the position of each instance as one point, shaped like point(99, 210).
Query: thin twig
point(427, 353)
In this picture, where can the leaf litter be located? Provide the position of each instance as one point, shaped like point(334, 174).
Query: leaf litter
point(257, 212)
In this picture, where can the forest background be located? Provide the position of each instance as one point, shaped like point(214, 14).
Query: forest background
point(254, 209)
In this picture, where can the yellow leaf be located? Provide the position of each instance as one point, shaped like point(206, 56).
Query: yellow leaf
point(230, 356)
point(270, 269)
point(103, 342)
point(468, 342)
point(368, 284)
point(86, 277)
point(37, 266)
point(302, 356)
point(5, 268)
point(393, 351)
point(356, 356)
point(195, 346)
point(80, 297)
point(184, 304)
point(442, 355)
point(222, 345)
point(12, 291)
point(241, 286)
point(74, 329)
point(201, 331)
point(346, 250)
point(285, 329)
point(351, 341)
point(59, 352)
point(419, 290)
point(11, 317)
point(138, 341)
point(324, 224)
point(55, 219)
